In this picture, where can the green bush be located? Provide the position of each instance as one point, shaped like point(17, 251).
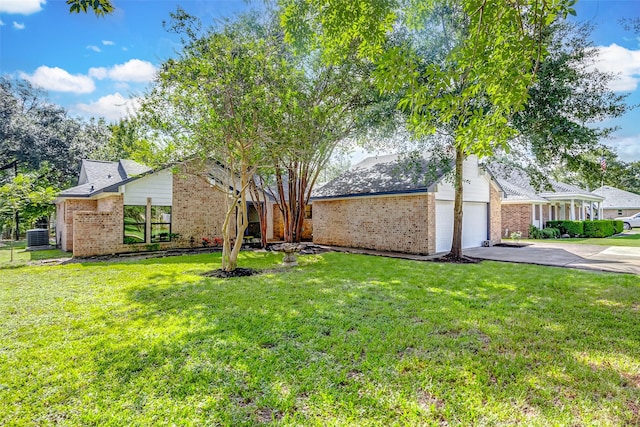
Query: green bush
point(572, 228)
point(547, 233)
point(618, 226)
point(534, 232)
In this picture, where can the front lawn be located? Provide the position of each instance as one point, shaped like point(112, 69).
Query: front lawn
point(628, 238)
point(340, 340)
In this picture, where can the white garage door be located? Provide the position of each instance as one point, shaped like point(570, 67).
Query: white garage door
point(474, 225)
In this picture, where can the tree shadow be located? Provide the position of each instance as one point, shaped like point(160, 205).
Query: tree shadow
point(430, 342)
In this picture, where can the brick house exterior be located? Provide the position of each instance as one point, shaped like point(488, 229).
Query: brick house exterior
point(379, 204)
point(524, 205)
point(90, 219)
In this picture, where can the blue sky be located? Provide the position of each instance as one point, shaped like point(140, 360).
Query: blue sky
point(98, 66)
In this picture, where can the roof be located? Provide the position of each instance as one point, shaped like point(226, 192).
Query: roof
point(517, 186)
point(615, 198)
point(388, 174)
point(97, 176)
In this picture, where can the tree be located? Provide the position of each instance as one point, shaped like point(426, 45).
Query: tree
point(559, 126)
point(27, 194)
point(34, 131)
point(330, 104)
point(99, 7)
point(471, 91)
point(218, 101)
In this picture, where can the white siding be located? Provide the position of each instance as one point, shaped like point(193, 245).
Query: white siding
point(158, 186)
point(475, 186)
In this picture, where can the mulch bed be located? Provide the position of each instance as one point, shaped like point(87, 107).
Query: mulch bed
point(455, 260)
point(238, 272)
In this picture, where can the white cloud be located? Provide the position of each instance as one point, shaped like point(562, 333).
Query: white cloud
point(623, 62)
point(98, 73)
point(94, 48)
point(18, 25)
point(107, 42)
point(59, 80)
point(1, 23)
point(627, 147)
point(134, 70)
point(21, 7)
point(112, 107)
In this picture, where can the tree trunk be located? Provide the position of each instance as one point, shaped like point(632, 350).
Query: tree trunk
point(456, 244)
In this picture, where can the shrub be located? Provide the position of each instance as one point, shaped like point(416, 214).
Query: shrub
point(572, 228)
point(550, 233)
point(534, 232)
point(602, 228)
point(618, 226)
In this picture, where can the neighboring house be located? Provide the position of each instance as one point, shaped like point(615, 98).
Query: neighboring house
point(617, 202)
point(386, 203)
point(524, 205)
point(126, 207)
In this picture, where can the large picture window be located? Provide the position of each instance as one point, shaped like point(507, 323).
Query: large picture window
point(160, 224)
point(135, 224)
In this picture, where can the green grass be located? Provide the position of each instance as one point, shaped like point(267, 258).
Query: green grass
point(627, 239)
point(341, 340)
point(21, 257)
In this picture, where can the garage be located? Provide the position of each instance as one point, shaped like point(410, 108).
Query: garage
point(379, 204)
point(474, 224)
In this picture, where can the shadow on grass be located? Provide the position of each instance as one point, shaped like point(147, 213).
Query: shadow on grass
point(369, 339)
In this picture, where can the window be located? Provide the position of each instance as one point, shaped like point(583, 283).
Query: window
point(619, 212)
point(135, 224)
point(160, 224)
point(308, 212)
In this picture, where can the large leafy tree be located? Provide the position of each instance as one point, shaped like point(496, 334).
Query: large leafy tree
point(560, 125)
point(471, 90)
point(221, 100)
point(330, 103)
point(34, 131)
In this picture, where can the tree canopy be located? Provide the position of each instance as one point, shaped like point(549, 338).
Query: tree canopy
point(488, 59)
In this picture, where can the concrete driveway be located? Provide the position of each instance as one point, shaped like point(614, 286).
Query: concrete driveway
point(620, 259)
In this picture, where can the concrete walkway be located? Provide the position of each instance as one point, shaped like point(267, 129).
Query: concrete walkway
point(619, 259)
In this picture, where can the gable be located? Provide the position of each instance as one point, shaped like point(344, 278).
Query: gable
point(475, 187)
point(158, 186)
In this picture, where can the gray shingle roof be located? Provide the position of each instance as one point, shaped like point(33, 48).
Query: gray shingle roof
point(615, 198)
point(389, 174)
point(517, 185)
point(97, 176)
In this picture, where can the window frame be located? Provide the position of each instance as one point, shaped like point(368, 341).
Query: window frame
point(138, 224)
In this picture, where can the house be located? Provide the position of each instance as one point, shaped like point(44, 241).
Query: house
point(127, 207)
point(618, 202)
point(524, 204)
point(391, 203)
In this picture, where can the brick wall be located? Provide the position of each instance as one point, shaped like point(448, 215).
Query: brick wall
point(397, 223)
point(198, 208)
point(278, 226)
point(515, 217)
point(495, 215)
point(67, 210)
point(99, 232)
point(613, 213)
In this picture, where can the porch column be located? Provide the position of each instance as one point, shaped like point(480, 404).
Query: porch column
point(600, 211)
point(533, 214)
point(572, 213)
point(551, 218)
point(583, 215)
point(147, 215)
